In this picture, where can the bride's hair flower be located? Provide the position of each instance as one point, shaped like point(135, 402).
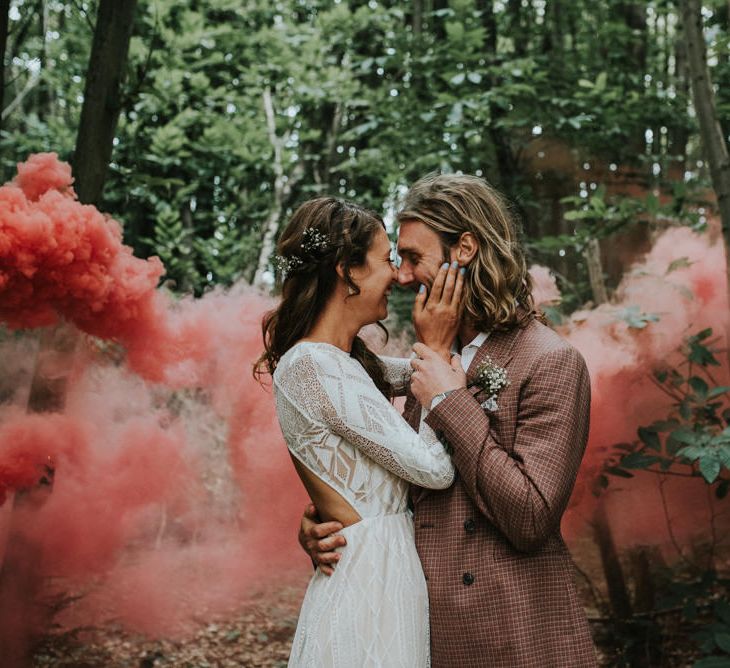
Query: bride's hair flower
point(314, 245)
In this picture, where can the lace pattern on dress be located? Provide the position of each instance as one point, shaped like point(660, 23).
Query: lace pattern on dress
point(332, 414)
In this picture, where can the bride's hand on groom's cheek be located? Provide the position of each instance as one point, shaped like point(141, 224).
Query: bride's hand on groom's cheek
point(437, 312)
point(319, 540)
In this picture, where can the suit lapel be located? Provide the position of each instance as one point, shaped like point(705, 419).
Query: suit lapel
point(498, 347)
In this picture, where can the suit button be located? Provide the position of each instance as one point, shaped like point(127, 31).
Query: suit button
point(468, 579)
point(470, 526)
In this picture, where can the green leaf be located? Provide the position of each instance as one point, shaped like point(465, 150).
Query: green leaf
point(650, 438)
point(661, 376)
point(664, 425)
point(717, 391)
point(691, 452)
point(722, 639)
point(699, 386)
point(457, 79)
point(638, 460)
point(633, 316)
point(712, 662)
point(680, 263)
point(722, 610)
point(723, 454)
point(710, 467)
point(700, 354)
point(621, 473)
point(456, 114)
point(687, 436)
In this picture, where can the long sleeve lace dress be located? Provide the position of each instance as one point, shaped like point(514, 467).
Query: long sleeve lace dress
point(374, 610)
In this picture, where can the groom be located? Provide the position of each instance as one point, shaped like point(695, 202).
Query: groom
point(498, 572)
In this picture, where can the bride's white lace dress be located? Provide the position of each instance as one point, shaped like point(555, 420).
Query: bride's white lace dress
point(374, 610)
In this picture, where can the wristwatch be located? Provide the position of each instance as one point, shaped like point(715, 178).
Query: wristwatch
point(439, 398)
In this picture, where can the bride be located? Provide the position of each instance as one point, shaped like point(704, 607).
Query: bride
point(351, 448)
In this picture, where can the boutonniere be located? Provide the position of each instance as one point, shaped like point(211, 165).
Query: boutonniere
point(491, 379)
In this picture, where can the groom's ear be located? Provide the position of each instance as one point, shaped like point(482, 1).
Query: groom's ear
point(466, 249)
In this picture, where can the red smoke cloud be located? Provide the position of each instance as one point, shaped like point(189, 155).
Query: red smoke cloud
point(173, 488)
point(682, 282)
point(59, 258)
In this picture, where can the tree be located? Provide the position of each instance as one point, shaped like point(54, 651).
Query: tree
point(4, 11)
point(713, 140)
point(102, 97)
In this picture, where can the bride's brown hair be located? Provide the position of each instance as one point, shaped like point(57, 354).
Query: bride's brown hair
point(344, 232)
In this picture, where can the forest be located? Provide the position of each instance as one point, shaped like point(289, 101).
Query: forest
point(182, 135)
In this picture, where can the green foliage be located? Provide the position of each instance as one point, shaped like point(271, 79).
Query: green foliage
point(692, 441)
point(364, 104)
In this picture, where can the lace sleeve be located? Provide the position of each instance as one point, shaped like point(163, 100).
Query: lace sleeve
point(335, 390)
point(398, 373)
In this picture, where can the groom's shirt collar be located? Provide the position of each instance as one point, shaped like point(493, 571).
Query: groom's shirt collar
point(470, 349)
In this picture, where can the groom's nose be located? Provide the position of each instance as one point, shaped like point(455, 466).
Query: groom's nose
point(406, 278)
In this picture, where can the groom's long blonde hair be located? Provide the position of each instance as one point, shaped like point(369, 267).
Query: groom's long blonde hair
point(498, 287)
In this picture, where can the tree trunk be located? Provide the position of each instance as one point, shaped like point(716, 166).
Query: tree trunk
point(4, 13)
point(54, 363)
point(678, 133)
point(282, 189)
point(516, 27)
point(417, 17)
point(553, 37)
point(489, 21)
point(618, 593)
point(634, 15)
point(43, 91)
point(713, 141)
point(102, 97)
point(506, 161)
point(592, 254)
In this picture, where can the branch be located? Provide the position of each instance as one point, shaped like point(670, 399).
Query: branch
point(672, 537)
point(666, 390)
point(30, 84)
point(80, 8)
point(713, 530)
point(271, 128)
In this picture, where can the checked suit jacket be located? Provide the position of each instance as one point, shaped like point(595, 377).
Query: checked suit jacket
point(499, 576)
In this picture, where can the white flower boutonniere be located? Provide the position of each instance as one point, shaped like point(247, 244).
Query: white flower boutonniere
point(491, 379)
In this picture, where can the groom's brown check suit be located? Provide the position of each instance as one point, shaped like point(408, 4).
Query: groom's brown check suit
point(499, 575)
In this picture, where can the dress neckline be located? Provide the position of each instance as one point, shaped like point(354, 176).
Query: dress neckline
point(322, 343)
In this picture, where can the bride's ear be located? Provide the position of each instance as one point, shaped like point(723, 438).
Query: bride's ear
point(340, 269)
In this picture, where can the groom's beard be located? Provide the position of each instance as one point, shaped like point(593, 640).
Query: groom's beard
point(445, 259)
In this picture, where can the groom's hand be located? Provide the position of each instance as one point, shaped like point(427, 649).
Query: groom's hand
point(319, 540)
point(431, 375)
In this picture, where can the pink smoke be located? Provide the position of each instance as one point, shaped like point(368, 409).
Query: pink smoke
point(544, 286)
point(168, 498)
point(174, 492)
point(621, 360)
